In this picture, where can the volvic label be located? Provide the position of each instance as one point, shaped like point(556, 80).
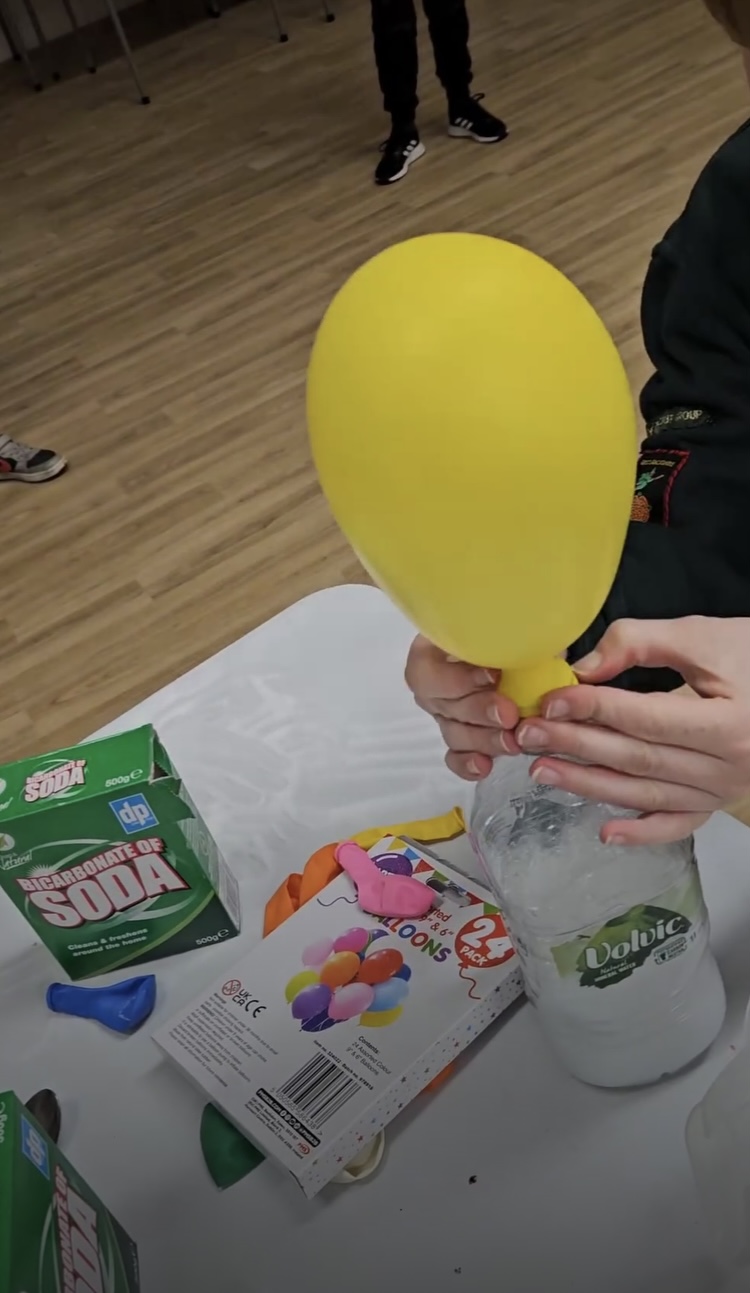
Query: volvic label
point(659, 931)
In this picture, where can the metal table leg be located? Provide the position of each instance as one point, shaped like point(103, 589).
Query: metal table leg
point(213, 9)
point(86, 50)
point(42, 41)
point(16, 40)
point(5, 30)
point(114, 15)
point(280, 26)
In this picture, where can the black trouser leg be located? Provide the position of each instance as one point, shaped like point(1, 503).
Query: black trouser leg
point(394, 31)
point(449, 32)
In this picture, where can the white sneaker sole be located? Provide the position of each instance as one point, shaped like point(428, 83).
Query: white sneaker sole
point(414, 156)
point(463, 132)
point(54, 468)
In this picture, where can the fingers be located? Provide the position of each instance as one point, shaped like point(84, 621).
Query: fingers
point(669, 718)
point(452, 690)
point(465, 739)
point(654, 828)
point(611, 749)
point(478, 708)
point(684, 645)
point(617, 788)
point(429, 673)
point(470, 767)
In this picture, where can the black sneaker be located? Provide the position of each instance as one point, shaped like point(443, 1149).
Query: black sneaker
point(470, 120)
point(399, 151)
point(21, 462)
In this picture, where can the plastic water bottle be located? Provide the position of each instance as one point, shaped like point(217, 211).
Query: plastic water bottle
point(613, 942)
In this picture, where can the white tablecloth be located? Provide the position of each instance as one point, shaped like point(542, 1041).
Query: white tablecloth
point(298, 734)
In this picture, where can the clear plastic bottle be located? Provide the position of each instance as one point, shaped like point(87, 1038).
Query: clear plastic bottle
point(614, 942)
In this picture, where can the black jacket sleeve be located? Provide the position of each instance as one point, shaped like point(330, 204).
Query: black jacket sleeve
point(688, 551)
point(688, 545)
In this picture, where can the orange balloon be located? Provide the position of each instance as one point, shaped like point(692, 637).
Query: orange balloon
point(380, 966)
point(339, 969)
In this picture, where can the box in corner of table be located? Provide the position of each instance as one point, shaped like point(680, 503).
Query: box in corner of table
point(55, 1234)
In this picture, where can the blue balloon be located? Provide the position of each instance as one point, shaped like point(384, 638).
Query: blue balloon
point(388, 995)
point(123, 1006)
point(404, 973)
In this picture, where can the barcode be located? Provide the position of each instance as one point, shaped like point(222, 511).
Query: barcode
point(319, 1089)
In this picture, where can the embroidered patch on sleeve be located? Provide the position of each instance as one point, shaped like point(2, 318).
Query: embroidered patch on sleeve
point(657, 472)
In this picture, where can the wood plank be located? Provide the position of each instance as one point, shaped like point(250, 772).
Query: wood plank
point(162, 271)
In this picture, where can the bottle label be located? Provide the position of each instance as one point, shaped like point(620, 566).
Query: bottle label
point(659, 931)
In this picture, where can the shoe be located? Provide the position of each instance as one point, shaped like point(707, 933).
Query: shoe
point(399, 151)
point(21, 462)
point(470, 120)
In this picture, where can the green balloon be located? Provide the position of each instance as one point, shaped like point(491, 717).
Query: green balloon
point(227, 1153)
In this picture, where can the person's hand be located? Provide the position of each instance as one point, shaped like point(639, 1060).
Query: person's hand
point(476, 722)
point(674, 757)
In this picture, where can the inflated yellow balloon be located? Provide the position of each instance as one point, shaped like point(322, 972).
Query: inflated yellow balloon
point(473, 430)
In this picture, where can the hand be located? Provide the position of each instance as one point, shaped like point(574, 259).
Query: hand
point(674, 757)
point(476, 723)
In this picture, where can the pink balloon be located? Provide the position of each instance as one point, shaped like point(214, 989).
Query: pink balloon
point(352, 940)
point(314, 955)
point(354, 999)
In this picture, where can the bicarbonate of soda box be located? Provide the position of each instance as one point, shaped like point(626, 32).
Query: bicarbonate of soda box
point(56, 1236)
point(105, 854)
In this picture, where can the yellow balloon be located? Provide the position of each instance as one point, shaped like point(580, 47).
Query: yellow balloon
point(380, 1018)
point(473, 430)
point(304, 979)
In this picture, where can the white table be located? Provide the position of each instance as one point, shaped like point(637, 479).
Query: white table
point(296, 735)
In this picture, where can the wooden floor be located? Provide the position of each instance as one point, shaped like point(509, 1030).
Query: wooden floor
point(162, 271)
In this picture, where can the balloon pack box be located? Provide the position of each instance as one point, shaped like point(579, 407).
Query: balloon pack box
point(331, 1025)
point(105, 854)
point(55, 1234)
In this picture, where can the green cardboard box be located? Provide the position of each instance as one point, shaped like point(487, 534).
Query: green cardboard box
point(55, 1235)
point(105, 854)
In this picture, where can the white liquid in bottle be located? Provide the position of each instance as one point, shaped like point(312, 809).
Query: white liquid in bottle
point(614, 942)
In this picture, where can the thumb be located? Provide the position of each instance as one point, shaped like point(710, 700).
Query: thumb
point(653, 644)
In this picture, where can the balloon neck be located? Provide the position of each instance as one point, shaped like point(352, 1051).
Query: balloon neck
point(528, 687)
